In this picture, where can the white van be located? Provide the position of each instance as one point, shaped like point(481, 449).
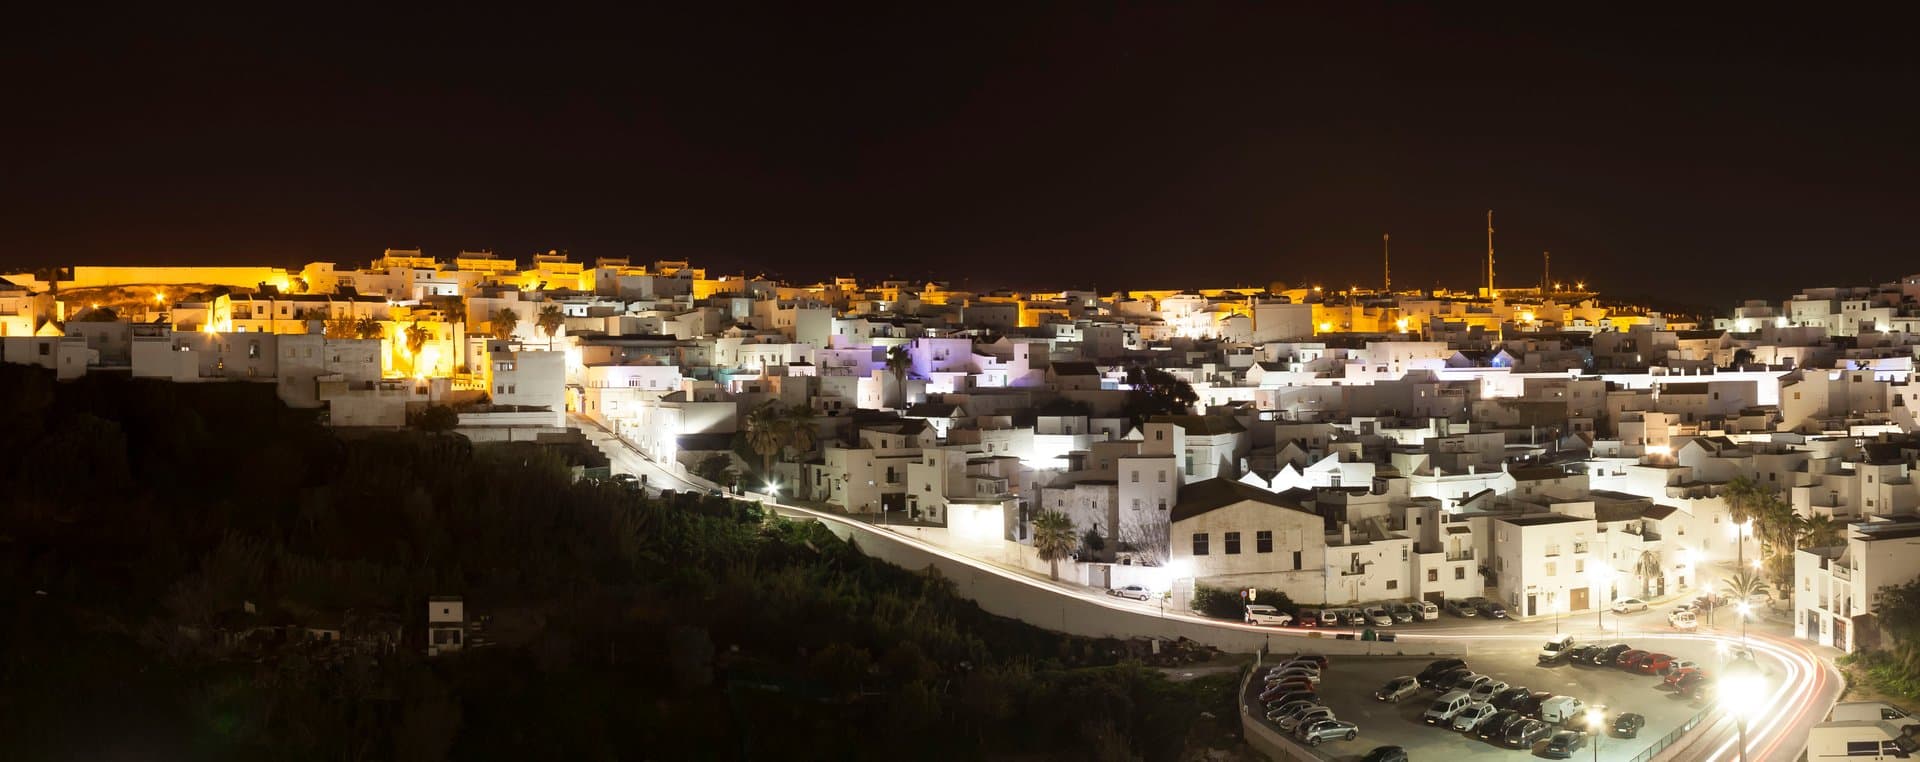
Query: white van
point(1859, 741)
point(1260, 613)
point(1870, 711)
point(1556, 649)
point(1561, 710)
point(1445, 707)
point(1426, 610)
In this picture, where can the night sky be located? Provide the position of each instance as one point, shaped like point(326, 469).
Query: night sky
point(1696, 159)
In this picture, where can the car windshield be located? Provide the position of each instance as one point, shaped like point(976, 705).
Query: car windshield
point(1555, 646)
point(1441, 706)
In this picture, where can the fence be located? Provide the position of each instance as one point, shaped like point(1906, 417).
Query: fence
point(1673, 736)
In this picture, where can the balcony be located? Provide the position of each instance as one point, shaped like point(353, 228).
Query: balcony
point(1464, 555)
point(1579, 547)
point(1841, 572)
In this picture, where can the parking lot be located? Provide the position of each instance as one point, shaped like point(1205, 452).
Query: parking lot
point(1348, 683)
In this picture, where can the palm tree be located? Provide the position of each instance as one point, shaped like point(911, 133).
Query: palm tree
point(1740, 494)
point(1744, 585)
point(899, 361)
point(417, 336)
point(1054, 539)
point(767, 430)
point(550, 319)
point(1820, 531)
point(1779, 529)
point(802, 436)
point(369, 328)
point(503, 321)
point(1649, 569)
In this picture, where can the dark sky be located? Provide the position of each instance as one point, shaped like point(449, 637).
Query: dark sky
point(1691, 158)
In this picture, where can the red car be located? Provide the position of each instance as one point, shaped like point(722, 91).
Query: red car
point(1677, 675)
point(1652, 664)
point(1629, 659)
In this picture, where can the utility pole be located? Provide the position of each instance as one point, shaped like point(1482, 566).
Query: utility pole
point(1489, 253)
point(1386, 262)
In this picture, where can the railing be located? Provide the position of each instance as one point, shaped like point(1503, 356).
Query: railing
point(1672, 736)
point(1841, 572)
point(1465, 555)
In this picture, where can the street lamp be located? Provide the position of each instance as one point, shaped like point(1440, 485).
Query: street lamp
point(1599, 575)
point(1745, 610)
point(1594, 720)
point(1739, 696)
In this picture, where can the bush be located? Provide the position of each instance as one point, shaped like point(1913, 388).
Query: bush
point(1217, 603)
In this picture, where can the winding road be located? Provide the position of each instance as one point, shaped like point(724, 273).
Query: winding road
point(1802, 684)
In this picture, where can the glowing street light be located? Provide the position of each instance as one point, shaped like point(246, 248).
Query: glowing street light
point(1739, 695)
point(1599, 576)
point(1595, 719)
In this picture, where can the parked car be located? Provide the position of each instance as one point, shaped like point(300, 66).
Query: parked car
point(1135, 592)
point(1583, 654)
point(1318, 660)
point(1469, 719)
point(1328, 730)
point(1675, 676)
point(1385, 754)
point(1444, 708)
point(1353, 618)
point(1284, 692)
point(1678, 664)
point(1556, 648)
point(1461, 608)
point(1561, 710)
point(1288, 708)
point(1628, 658)
point(1684, 621)
point(1525, 733)
point(1627, 605)
point(1628, 725)
point(1301, 674)
point(1505, 699)
point(1377, 616)
point(1530, 705)
point(1564, 743)
point(1444, 681)
point(1434, 670)
point(1694, 685)
point(1329, 618)
point(1397, 689)
point(1303, 717)
point(1401, 612)
point(1487, 690)
point(1292, 666)
point(1606, 657)
point(1493, 610)
point(1470, 681)
point(1287, 686)
point(1426, 610)
point(1260, 613)
point(1307, 618)
point(1496, 727)
point(1652, 664)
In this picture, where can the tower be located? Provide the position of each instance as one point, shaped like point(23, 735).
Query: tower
point(1490, 292)
point(1386, 263)
point(1546, 272)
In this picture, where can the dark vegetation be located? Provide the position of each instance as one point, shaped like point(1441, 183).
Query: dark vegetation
point(141, 520)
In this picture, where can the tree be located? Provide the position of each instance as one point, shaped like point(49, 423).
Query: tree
point(369, 328)
point(1741, 495)
point(802, 434)
point(342, 328)
point(1157, 392)
point(713, 468)
point(899, 362)
point(1648, 569)
point(503, 321)
point(1744, 585)
point(417, 336)
point(438, 419)
point(1896, 608)
point(1820, 531)
point(767, 431)
point(550, 320)
point(1148, 540)
point(1053, 538)
point(1092, 542)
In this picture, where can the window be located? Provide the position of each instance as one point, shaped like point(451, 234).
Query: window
point(1161, 434)
point(1233, 543)
point(1579, 566)
point(1263, 541)
point(1393, 584)
point(1553, 569)
point(1459, 572)
point(1163, 504)
point(1296, 560)
point(1199, 543)
point(1163, 476)
point(1433, 575)
point(1403, 552)
point(1134, 477)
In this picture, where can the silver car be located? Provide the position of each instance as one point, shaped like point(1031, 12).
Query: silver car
point(1304, 717)
point(1377, 616)
point(1327, 730)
